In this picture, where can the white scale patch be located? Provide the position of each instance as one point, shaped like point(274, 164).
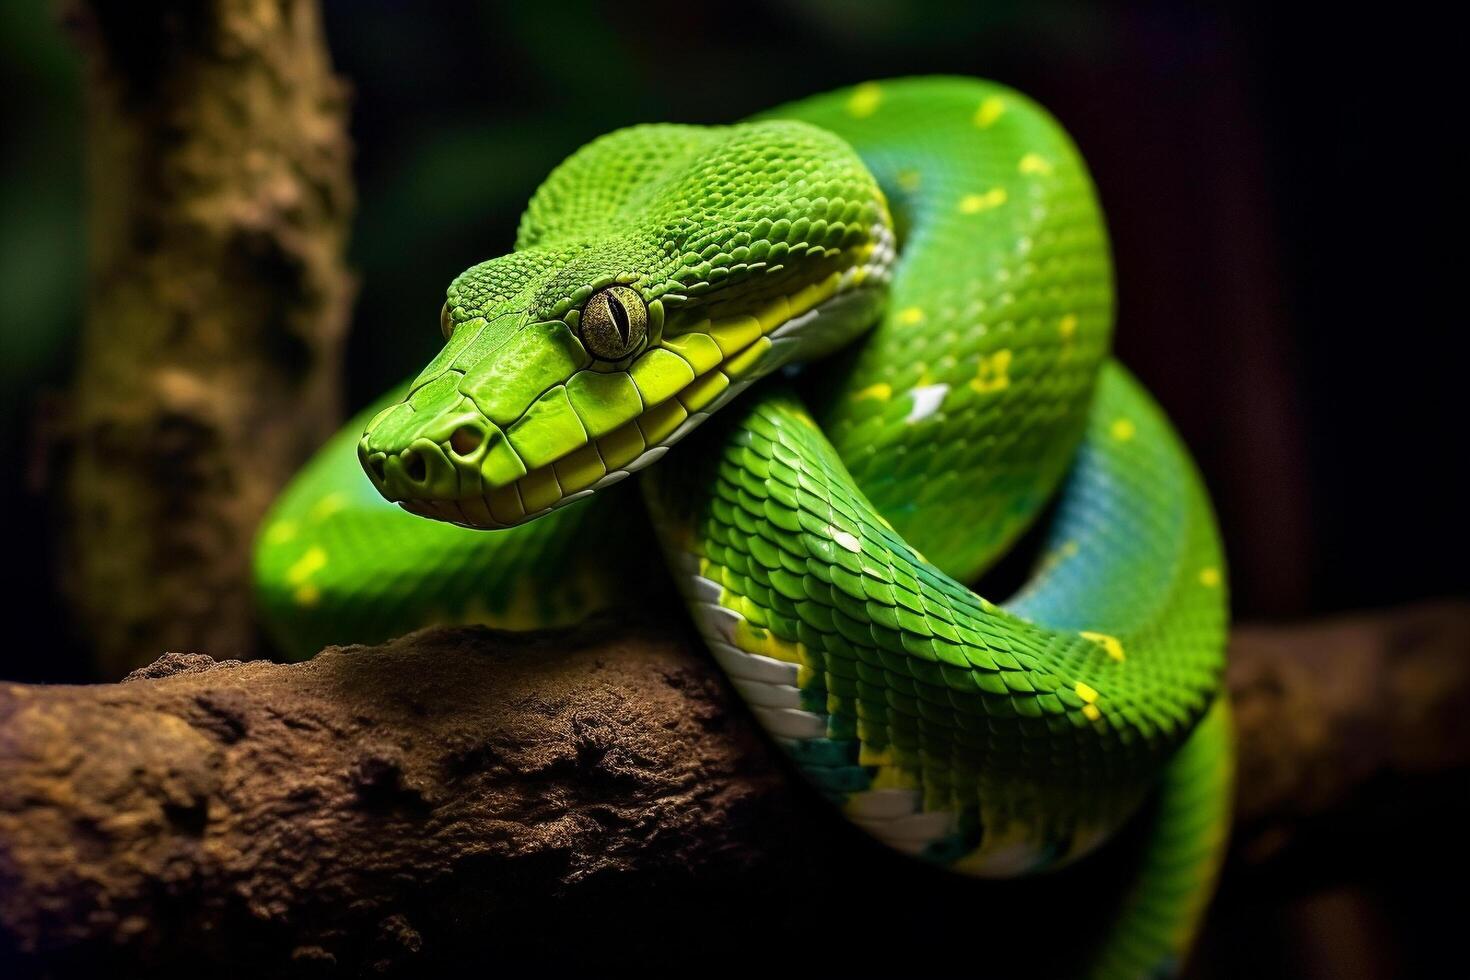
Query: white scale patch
point(790, 722)
point(883, 804)
point(916, 828)
point(894, 816)
point(897, 818)
point(844, 538)
point(717, 623)
point(926, 402)
point(613, 476)
point(700, 588)
point(768, 695)
point(752, 666)
point(768, 685)
point(1005, 862)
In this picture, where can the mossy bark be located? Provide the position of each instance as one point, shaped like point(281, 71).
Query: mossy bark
point(217, 301)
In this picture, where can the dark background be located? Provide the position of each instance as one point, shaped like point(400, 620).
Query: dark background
point(1278, 181)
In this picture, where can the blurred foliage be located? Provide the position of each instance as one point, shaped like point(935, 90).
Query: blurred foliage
point(41, 239)
point(42, 271)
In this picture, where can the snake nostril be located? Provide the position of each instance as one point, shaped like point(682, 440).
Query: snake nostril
point(466, 439)
point(414, 466)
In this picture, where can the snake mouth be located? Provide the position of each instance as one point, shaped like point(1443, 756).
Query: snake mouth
point(600, 462)
point(599, 427)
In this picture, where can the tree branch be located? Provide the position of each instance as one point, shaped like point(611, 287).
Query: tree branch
point(473, 799)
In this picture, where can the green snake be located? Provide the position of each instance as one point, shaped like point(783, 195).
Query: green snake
point(913, 278)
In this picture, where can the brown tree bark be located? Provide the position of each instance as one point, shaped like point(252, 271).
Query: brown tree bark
point(465, 800)
point(217, 300)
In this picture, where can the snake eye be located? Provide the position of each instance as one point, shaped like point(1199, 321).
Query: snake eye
point(614, 323)
point(446, 322)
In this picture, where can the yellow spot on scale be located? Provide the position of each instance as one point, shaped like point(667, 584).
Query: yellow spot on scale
point(1086, 693)
point(307, 565)
point(880, 391)
point(975, 203)
point(868, 756)
point(864, 100)
point(993, 374)
point(1090, 712)
point(1123, 429)
point(328, 506)
point(1035, 163)
point(990, 110)
point(846, 540)
point(759, 640)
point(281, 532)
point(1067, 326)
point(307, 595)
point(1108, 643)
point(911, 315)
point(1209, 577)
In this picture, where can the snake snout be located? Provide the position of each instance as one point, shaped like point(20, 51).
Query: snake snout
point(420, 471)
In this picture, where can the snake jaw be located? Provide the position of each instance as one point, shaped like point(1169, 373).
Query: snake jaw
point(620, 323)
point(446, 459)
point(540, 423)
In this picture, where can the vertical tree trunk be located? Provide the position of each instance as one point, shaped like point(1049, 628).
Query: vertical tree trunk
point(218, 298)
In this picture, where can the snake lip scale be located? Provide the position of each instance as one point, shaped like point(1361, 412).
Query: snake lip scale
point(931, 253)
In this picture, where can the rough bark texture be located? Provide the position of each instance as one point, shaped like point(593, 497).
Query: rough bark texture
point(217, 300)
point(1327, 709)
point(465, 800)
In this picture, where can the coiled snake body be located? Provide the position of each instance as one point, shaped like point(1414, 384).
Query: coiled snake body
point(940, 240)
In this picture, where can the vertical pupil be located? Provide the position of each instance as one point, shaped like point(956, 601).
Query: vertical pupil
point(619, 316)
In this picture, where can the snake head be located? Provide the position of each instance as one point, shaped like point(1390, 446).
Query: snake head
point(659, 271)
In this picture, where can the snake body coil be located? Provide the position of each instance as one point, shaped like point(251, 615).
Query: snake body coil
point(941, 240)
